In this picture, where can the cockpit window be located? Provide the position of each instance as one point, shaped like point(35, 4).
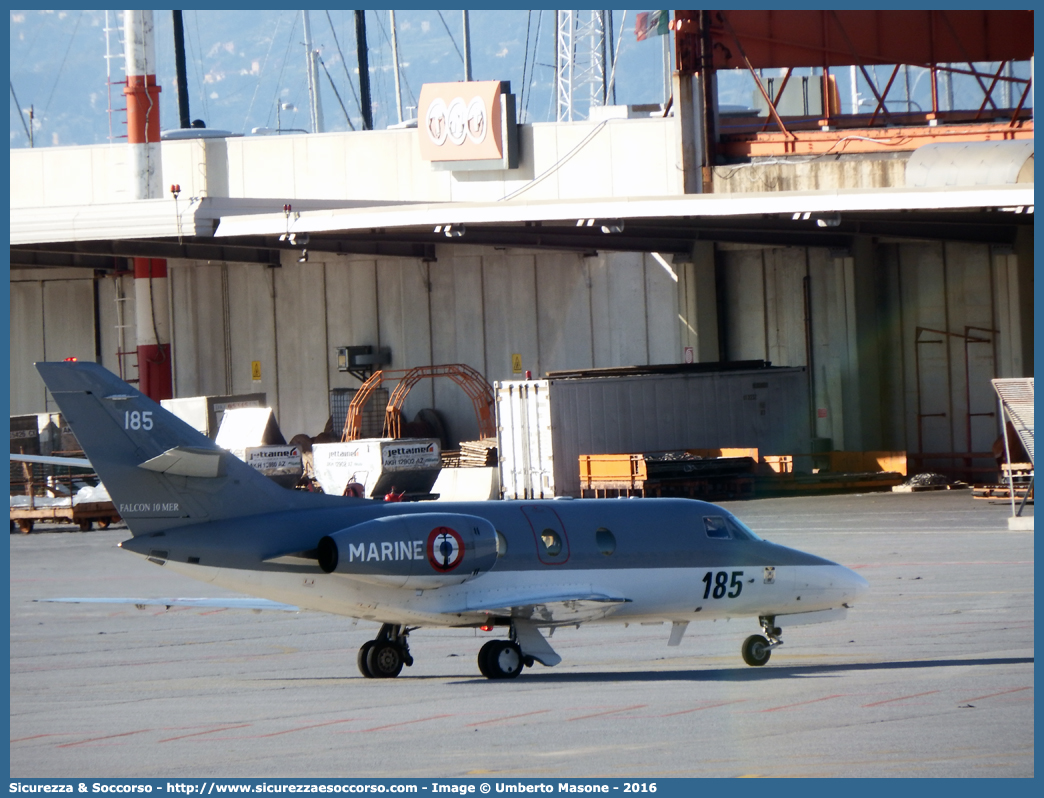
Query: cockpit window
point(740, 531)
point(715, 526)
point(725, 527)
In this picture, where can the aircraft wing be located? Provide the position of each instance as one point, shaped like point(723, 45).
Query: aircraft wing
point(255, 604)
point(547, 606)
point(78, 462)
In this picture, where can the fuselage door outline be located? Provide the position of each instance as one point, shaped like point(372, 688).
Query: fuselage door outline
point(549, 534)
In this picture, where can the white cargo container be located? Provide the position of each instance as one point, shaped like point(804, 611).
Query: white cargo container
point(379, 465)
point(205, 413)
point(543, 426)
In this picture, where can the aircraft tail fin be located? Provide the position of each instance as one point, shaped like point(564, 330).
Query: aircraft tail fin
point(160, 472)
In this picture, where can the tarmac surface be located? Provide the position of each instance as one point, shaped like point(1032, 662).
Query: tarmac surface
point(930, 675)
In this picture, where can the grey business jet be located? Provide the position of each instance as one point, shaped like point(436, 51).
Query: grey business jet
point(523, 566)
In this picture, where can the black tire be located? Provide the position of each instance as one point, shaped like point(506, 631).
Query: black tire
point(756, 650)
point(504, 660)
point(360, 659)
point(483, 657)
point(384, 659)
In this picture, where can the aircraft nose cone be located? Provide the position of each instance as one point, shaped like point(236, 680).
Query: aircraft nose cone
point(853, 584)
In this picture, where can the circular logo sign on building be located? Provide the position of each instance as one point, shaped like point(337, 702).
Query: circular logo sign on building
point(456, 121)
point(436, 121)
point(445, 549)
point(477, 122)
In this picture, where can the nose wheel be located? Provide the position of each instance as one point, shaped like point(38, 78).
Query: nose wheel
point(384, 656)
point(757, 649)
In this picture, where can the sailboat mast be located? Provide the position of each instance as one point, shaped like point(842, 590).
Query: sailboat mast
point(314, 102)
point(364, 69)
point(395, 62)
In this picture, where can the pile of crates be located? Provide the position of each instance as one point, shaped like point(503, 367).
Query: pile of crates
point(708, 474)
point(736, 473)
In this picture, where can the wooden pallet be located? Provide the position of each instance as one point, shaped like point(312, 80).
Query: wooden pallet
point(1000, 492)
point(927, 488)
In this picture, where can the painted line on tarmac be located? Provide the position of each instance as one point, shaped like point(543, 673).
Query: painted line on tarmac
point(38, 736)
point(394, 725)
point(803, 703)
point(198, 734)
point(304, 728)
point(107, 737)
point(900, 698)
point(608, 712)
point(698, 709)
point(508, 717)
point(1002, 692)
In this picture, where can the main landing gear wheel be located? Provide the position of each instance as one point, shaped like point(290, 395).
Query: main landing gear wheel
point(500, 659)
point(756, 650)
point(483, 656)
point(384, 660)
point(384, 656)
point(360, 658)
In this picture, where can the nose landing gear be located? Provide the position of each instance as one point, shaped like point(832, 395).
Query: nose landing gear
point(757, 649)
point(384, 656)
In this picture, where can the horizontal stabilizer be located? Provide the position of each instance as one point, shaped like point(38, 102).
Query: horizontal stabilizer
point(207, 603)
point(74, 462)
point(187, 461)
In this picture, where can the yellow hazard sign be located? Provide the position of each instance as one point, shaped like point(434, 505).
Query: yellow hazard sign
point(516, 364)
point(255, 370)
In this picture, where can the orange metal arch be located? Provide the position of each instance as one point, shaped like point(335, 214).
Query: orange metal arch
point(470, 380)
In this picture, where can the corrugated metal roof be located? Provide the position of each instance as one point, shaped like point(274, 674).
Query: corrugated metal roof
point(154, 218)
point(696, 205)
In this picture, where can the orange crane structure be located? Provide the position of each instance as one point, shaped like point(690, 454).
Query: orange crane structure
point(473, 383)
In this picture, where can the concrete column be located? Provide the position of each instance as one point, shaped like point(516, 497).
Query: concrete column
point(698, 303)
point(688, 118)
point(861, 376)
point(1024, 282)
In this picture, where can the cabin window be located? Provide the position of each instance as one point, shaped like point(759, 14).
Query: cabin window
point(605, 541)
point(501, 544)
point(716, 527)
point(552, 542)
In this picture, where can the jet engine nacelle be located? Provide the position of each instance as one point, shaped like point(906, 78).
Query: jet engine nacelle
point(423, 550)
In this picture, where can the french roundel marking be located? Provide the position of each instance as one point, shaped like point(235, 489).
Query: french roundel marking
point(445, 548)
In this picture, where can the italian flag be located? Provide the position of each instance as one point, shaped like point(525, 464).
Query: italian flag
point(651, 23)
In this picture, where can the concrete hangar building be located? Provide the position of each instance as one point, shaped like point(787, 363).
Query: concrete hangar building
point(888, 251)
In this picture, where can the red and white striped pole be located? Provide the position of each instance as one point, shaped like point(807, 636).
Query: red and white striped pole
point(143, 136)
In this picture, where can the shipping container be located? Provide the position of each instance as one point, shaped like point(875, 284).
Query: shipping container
point(544, 426)
point(205, 412)
point(379, 466)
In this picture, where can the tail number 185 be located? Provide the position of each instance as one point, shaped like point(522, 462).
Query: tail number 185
point(133, 419)
point(718, 583)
